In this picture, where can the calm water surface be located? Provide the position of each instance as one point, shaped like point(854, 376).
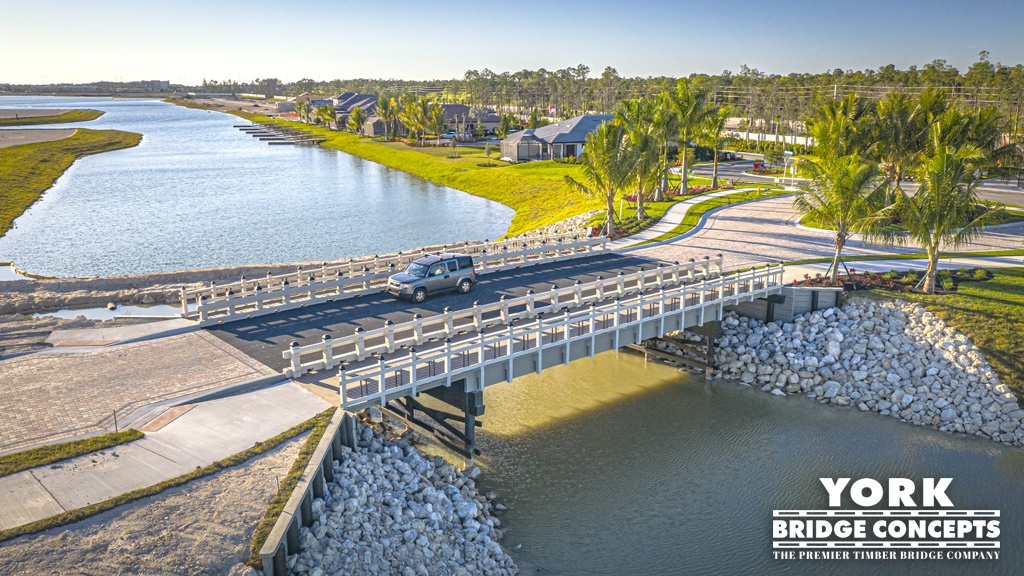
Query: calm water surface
point(198, 193)
point(612, 466)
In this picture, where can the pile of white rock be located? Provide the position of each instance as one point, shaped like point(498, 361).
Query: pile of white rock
point(391, 510)
point(567, 226)
point(894, 358)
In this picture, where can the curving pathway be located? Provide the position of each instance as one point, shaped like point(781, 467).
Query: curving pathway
point(672, 218)
point(762, 231)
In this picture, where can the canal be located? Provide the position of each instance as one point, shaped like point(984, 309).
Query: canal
point(199, 193)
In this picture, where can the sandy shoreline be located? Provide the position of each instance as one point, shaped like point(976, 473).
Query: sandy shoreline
point(30, 112)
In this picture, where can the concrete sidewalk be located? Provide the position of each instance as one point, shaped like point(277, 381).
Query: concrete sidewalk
point(672, 218)
point(200, 435)
point(797, 271)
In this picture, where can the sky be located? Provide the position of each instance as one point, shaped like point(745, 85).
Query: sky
point(186, 41)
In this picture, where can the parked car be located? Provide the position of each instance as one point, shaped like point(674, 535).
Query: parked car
point(449, 134)
point(428, 275)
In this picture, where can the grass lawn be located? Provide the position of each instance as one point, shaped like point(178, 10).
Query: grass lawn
point(69, 116)
point(535, 190)
point(26, 171)
point(694, 214)
point(43, 455)
point(991, 314)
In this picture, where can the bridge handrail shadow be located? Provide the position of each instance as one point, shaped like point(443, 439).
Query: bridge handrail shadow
point(383, 380)
point(357, 277)
point(358, 346)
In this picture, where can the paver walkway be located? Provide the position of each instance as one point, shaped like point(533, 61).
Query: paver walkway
point(672, 218)
point(61, 393)
point(209, 432)
point(764, 231)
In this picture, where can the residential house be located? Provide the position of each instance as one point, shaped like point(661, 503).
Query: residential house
point(458, 118)
point(560, 140)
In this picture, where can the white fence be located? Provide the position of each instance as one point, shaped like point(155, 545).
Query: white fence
point(249, 298)
point(331, 352)
point(384, 380)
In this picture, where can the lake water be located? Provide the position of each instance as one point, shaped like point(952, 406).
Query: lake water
point(613, 466)
point(200, 193)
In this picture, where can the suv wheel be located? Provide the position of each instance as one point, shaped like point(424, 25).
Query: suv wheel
point(465, 286)
point(419, 295)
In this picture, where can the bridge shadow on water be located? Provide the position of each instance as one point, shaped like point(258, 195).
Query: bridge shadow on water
point(266, 337)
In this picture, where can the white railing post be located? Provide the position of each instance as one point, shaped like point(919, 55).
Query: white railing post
point(448, 361)
point(478, 316)
point(661, 275)
point(692, 271)
point(203, 315)
point(231, 307)
point(382, 380)
point(539, 341)
point(675, 274)
point(707, 267)
point(641, 282)
point(339, 289)
point(259, 297)
point(417, 329)
point(360, 343)
point(449, 322)
point(504, 310)
point(718, 263)
point(389, 335)
point(530, 304)
point(412, 375)
point(284, 288)
point(567, 334)
point(600, 289)
point(554, 299)
point(343, 384)
point(327, 350)
point(366, 279)
point(592, 312)
point(578, 293)
point(184, 302)
point(296, 359)
point(621, 284)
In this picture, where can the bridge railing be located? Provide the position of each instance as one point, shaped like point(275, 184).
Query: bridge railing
point(375, 382)
point(362, 343)
point(248, 298)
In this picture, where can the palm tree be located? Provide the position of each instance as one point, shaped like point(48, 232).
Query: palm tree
point(839, 128)
point(437, 121)
point(843, 193)
point(712, 135)
point(691, 111)
point(325, 114)
point(945, 212)
point(303, 108)
point(387, 111)
point(356, 118)
point(899, 136)
point(638, 118)
point(606, 162)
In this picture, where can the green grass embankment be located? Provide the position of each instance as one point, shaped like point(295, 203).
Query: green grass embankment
point(990, 313)
point(43, 455)
point(69, 116)
point(28, 170)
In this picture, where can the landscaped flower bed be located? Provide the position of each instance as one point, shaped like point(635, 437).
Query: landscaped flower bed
point(894, 281)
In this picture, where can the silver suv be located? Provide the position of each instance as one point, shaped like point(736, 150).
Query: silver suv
point(433, 274)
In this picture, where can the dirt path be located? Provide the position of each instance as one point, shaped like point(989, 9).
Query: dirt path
point(33, 135)
point(201, 528)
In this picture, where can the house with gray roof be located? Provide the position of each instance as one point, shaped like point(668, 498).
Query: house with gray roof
point(560, 140)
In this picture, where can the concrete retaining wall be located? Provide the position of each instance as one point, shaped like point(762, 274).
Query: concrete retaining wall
point(284, 538)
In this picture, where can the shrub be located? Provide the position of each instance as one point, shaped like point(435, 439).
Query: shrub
point(980, 274)
point(910, 278)
point(891, 275)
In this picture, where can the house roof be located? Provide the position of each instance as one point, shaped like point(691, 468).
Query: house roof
point(450, 110)
point(521, 137)
point(366, 102)
point(573, 130)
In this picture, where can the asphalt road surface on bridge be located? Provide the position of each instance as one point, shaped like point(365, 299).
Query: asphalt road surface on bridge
point(266, 337)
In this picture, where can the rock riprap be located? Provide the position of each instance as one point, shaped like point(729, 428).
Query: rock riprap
point(391, 510)
point(895, 358)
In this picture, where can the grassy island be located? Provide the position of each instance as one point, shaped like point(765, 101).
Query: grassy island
point(63, 118)
point(26, 171)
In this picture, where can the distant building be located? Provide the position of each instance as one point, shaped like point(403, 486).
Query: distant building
point(467, 122)
point(560, 140)
point(158, 85)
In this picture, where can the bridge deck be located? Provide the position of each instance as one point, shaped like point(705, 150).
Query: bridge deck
point(263, 338)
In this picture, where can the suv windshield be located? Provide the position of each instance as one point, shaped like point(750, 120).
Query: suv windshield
point(417, 270)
